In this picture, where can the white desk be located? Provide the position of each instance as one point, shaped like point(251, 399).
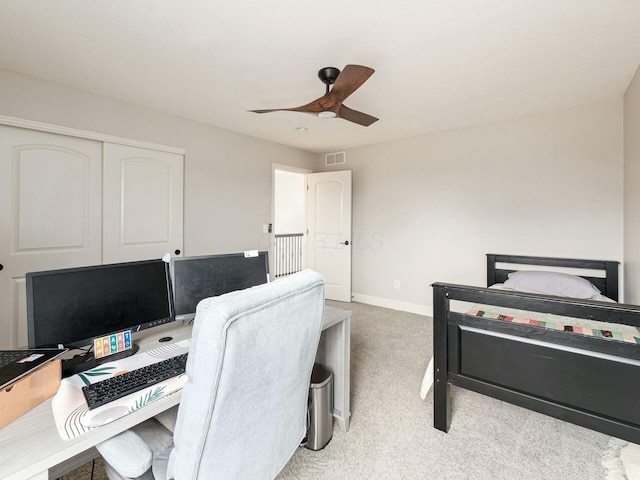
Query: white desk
point(31, 448)
point(334, 353)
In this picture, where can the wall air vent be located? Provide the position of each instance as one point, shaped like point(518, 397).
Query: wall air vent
point(335, 158)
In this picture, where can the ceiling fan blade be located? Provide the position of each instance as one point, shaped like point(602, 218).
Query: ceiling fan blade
point(269, 110)
point(356, 116)
point(349, 80)
point(312, 107)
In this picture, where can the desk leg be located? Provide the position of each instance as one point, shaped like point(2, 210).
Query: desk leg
point(334, 353)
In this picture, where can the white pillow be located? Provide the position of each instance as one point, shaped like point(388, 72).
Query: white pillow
point(602, 298)
point(552, 283)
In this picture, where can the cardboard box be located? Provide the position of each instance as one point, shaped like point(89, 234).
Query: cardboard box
point(29, 392)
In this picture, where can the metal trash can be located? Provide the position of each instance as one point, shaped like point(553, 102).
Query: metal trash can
point(320, 428)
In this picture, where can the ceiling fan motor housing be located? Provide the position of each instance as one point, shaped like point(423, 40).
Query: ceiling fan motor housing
point(328, 75)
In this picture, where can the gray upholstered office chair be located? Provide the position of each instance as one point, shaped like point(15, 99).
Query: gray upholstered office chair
point(243, 410)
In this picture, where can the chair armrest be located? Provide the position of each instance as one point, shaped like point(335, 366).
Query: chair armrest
point(127, 453)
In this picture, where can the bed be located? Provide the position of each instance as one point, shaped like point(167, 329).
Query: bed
point(592, 381)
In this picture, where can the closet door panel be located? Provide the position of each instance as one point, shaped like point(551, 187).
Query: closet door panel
point(50, 214)
point(143, 202)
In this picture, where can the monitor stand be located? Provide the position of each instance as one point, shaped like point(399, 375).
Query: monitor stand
point(86, 361)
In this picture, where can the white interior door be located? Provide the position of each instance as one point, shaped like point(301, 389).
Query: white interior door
point(143, 197)
point(329, 231)
point(50, 214)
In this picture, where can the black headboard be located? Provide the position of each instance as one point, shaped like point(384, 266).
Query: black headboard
point(608, 285)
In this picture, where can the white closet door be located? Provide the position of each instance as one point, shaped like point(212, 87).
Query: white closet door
point(50, 214)
point(142, 203)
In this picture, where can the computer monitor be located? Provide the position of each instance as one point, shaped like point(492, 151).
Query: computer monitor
point(196, 278)
point(73, 306)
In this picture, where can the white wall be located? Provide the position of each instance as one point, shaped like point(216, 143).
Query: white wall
point(425, 209)
point(227, 175)
point(428, 208)
point(632, 191)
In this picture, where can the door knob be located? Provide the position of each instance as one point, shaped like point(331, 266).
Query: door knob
point(177, 252)
point(1, 266)
point(344, 243)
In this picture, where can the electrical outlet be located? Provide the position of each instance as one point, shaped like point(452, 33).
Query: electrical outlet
point(396, 284)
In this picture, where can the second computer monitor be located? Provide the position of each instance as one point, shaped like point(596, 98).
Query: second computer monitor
point(197, 278)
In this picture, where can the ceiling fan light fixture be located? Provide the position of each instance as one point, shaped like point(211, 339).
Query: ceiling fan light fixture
point(327, 114)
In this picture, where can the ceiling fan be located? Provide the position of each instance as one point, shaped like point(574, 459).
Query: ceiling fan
point(330, 104)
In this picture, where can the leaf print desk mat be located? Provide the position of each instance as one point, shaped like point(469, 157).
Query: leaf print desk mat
point(70, 410)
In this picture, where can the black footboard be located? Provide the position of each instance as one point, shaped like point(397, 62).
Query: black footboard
point(588, 381)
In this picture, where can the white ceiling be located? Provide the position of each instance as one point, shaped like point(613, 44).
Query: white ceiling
point(440, 64)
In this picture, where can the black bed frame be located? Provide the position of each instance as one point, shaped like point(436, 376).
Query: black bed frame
point(585, 380)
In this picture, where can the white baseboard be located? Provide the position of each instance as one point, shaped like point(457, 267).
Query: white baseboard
point(394, 304)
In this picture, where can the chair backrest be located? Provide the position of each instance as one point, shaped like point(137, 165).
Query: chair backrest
point(243, 410)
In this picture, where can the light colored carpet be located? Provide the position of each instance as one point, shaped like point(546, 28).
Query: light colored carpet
point(392, 437)
point(85, 472)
